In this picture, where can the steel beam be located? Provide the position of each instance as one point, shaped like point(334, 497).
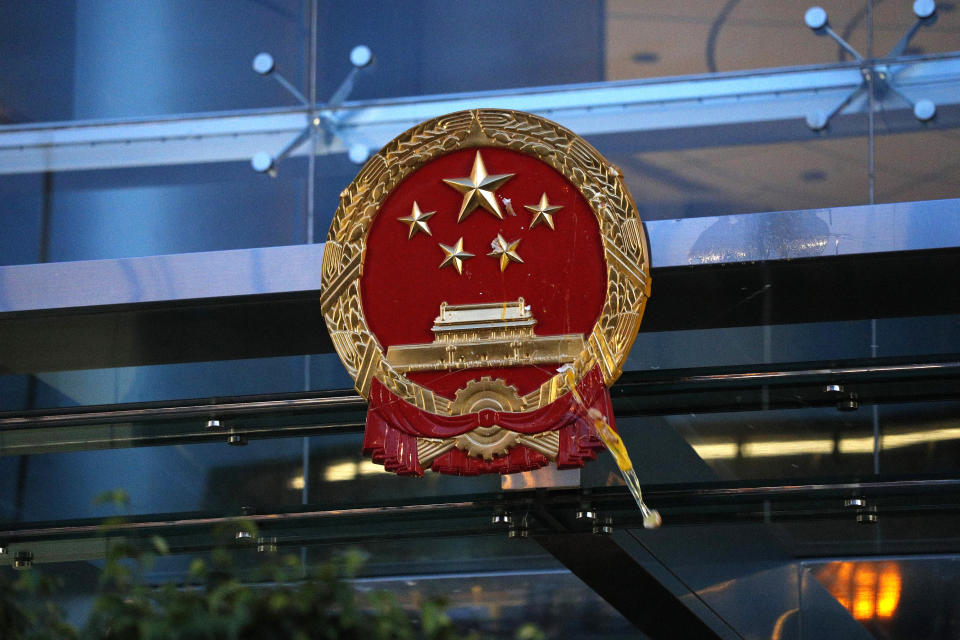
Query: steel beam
point(595, 109)
point(709, 390)
point(283, 271)
point(692, 579)
point(264, 271)
point(265, 302)
point(654, 601)
point(884, 285)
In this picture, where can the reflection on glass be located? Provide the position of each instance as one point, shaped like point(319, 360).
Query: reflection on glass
point(717, 178)
point(765, 448)
point(655, 39)
point(498, 603)
point(102, 59)
point(915, 163)
point(744, 445)
point(337, 471)
point(867, 590)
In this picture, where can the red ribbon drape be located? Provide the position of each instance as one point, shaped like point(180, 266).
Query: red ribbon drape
point(393, 426)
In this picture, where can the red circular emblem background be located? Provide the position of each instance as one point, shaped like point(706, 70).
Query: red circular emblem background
point(562, 277)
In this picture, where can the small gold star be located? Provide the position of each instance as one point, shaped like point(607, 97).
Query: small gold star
point(479, 189)
point(542, 212)
point(417, 220)
point(454, 255)
point(506, 251)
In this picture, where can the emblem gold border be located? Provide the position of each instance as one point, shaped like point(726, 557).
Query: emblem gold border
point(600, 183)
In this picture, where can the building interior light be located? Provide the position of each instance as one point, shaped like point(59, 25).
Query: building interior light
point(350, 470)
point(785, 448)
point(894, 440)
point(717, 450)
point(821, 446)
point(855, 445)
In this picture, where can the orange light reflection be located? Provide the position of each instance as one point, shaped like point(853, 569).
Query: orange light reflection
point(888, 592)
point(864, 592)
point(866, 589)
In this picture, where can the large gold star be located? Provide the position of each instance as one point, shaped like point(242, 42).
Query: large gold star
point(454, 255)
point(542, 212)
point(417, 220)
point(479, 189)
point(506, 251)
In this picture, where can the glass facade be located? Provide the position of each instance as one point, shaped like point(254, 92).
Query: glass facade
point(794, 384)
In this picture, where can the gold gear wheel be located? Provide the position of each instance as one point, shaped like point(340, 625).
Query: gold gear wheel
point(486, 393)
point(477, 395)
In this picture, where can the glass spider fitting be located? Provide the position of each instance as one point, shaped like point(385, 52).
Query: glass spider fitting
point(326, 118)
point(883, 77)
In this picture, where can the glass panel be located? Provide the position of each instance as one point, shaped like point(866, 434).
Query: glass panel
point(22, 205)
point(339, 474)
point(434, 46)
point(532, 588)
point(815, 444)
point(741, 456)
point(177, 209)
point(927, 443)
point(891, 20)
point(915, 161)
point(787, 343)
point(100, 59)
point(190, 380)
point(691, 37)
point(896, 598)
point(497, 605)
point(735, 346)
point(805, 172)
point(742, 446)
point(149, 211)
point(213, 477)
point(141, 211)
point(669, 355)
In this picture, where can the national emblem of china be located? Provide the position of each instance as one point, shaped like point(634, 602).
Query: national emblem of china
point(484, 278)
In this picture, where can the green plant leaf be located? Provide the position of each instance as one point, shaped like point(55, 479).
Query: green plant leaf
point(160, 545)
point(529, 631)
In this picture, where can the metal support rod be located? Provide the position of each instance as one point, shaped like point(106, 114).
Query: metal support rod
point(293, 144)
point(337, 401)
point(327, 115)
point(925, 10)
point(265, 65)
point(309, 216)
point(343, 91)
point(286, 84)
point(871, 107)
point(819, 119)
point(843, 43)
point(691, 498)
point(332, 401)
point(360, 57)
point(904, 41)
point(902, 96)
